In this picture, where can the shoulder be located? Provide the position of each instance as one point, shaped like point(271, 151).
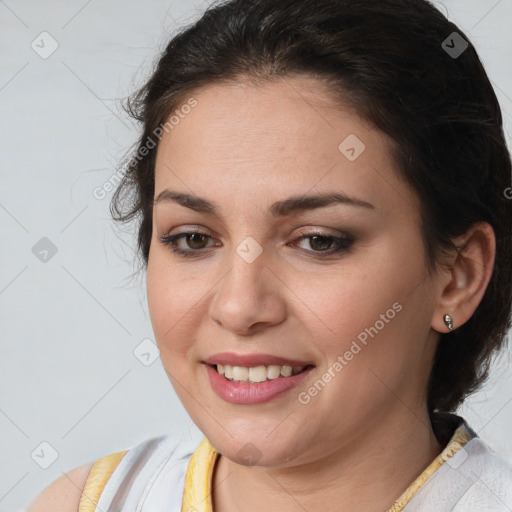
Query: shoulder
point(475, 479)
point(64, 493)
point(130, 469)
point(490, 476)
point(152, 472)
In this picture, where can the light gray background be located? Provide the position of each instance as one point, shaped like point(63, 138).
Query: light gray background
point(68, 374)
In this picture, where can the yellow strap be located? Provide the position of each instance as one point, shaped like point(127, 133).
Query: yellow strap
point(98, 477)
point(198, 479)
point(458, 440)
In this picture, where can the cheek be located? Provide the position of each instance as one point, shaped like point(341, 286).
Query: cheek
point(353, 299)
point(373, 309)
point(171, 300)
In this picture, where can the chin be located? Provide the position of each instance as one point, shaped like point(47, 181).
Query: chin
point(254, 449)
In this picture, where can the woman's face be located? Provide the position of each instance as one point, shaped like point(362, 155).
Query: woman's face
point(307, 254)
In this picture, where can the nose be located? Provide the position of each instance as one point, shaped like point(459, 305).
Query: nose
point(249, 298)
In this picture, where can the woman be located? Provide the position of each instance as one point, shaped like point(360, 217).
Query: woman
point(321, 191)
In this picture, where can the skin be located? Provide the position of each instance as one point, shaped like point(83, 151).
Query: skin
point(362, 440)
point(62, 494)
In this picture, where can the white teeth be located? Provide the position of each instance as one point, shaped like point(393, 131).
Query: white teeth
point(273, 371)
point(286, 371)
point(257, 373)
point(240, 373)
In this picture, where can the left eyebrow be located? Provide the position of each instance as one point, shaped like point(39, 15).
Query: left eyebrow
point(278, 209)
point(311, 202)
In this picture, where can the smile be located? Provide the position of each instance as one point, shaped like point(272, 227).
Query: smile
point(255, 374)
point(251, 381)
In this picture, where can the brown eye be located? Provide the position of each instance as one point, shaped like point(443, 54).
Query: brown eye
point(189, 244)
point(325, 245)
point(195, 240)
point(320, 243)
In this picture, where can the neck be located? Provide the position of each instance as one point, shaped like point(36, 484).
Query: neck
point(367, 475)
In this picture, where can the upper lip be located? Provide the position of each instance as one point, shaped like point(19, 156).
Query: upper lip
point(251, 360)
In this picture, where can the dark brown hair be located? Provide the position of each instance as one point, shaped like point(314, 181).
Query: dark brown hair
point(398, 63)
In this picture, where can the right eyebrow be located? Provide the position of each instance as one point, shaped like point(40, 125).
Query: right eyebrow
point(278, 209)
point(195, 203)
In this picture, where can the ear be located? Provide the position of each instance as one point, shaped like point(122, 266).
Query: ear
point(463, 284)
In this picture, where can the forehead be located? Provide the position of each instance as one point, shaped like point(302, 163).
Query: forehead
point(291, 116)
point(260, 139)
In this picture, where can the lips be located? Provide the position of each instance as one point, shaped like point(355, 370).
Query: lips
point(253, 378)
point(250, 360)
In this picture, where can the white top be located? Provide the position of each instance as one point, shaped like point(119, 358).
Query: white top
point(151, 478)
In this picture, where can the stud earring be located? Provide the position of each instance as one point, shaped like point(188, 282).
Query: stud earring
point(448, 322)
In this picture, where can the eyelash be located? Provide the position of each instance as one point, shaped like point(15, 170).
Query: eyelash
point(171, 241)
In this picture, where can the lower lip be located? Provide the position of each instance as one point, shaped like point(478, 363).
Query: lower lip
point(252, 393)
